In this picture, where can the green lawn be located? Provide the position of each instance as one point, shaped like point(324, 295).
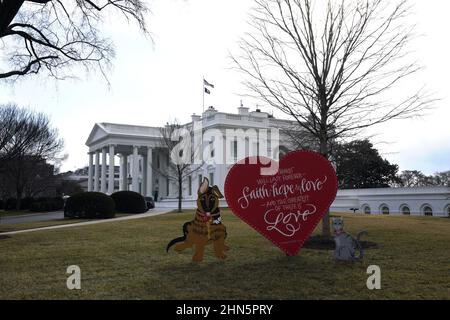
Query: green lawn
point(127, 260)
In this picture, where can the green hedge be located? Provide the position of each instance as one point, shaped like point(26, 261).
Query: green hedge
point(90, 205)
point(47, 204)
point(129, 202)
point(35, 205)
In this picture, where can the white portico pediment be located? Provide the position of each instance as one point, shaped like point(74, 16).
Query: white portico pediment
point(98, 133)
point(104, 134)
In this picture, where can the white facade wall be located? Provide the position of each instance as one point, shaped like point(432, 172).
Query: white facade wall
point(416, 199)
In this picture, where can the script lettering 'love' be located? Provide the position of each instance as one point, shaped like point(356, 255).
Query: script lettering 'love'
point(286, 207)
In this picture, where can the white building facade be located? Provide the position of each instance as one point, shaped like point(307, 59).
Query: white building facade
point(427, 201)
point(144, 161)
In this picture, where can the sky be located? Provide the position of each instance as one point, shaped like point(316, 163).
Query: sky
point(157, 80)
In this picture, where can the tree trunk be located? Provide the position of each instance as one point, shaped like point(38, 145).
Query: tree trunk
point(326, 230)
point(180, 193)
point(8, 10)
point(18, 200)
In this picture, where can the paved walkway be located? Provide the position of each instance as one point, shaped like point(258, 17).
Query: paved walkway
point(152, 213)
point(34, 217)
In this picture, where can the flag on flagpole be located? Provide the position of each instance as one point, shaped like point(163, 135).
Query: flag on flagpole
point(206, 83)
point(206, 90)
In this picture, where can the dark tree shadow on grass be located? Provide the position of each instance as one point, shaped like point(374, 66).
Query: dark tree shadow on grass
point(262, 275)
point(321, 243)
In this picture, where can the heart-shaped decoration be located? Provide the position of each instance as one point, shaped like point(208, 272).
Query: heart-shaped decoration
point(285, 207)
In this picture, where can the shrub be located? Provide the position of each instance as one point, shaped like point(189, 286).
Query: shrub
point(25, 203)
point(47, 204)
point(90, 205)
point(10, 204)
point(129, 202)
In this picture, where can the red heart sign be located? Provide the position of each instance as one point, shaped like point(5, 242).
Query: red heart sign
point(285, 207)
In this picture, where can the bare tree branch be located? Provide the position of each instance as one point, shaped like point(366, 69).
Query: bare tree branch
point(53, 36)
point(331, 66)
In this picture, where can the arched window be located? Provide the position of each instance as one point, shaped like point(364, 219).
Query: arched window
point(384, 209)
point(283, 152)
point(366, 210)
point(405, 210)
point(427, 211)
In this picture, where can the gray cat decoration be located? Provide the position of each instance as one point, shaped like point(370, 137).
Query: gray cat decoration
point(346, 245)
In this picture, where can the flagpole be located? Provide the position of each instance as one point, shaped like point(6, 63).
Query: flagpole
point(203, 87)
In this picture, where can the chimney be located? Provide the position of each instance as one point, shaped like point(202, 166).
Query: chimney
point(243, 111)
point(195, 118)
point(259, 114)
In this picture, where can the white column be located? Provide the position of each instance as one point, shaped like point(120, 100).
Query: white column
point(103, 181)
point(90, 171)
point(149, 173)
point(111, 170)
point(123, 172)
point(144, 175)
point(135, 170)
point(97, 170)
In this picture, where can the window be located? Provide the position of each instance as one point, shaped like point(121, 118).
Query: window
point(283, 152)
point(200, 180)
point(211, 148)
point(406, 211)
point(190, 185)
point(385, 210)
point(158, 161)
point(167, 186)
point(367, 210)
point(211, 178)
point(234, 147)
point(448, 211)
point(428, 211)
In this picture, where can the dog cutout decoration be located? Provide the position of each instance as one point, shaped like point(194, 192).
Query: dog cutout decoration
point(206, 228)
point(346, 245)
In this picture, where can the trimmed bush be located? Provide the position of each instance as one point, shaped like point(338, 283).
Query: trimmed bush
point(10, 204)
point(25, 203)
point(90, 205)
point(129, 202)
point(47, 204)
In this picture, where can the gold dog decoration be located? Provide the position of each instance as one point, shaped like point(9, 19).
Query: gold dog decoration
point(206, 228)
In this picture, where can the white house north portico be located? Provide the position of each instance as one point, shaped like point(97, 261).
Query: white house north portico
point(133, 147)
point(144, 159)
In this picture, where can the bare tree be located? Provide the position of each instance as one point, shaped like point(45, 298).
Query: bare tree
point(52, 36)
point(177, 140)
point(27, 142)
point(331, 65)
point(414, 178)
